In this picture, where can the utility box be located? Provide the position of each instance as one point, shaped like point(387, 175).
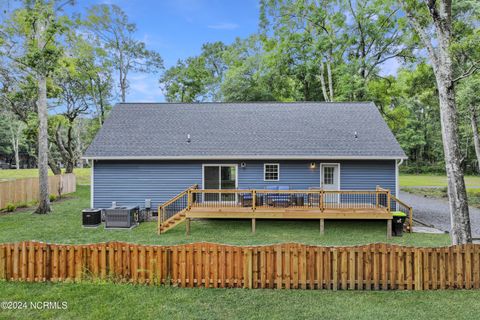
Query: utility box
point(91, 217)
point(121, 217)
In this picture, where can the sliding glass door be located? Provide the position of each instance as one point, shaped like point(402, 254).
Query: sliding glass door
point(219, 177)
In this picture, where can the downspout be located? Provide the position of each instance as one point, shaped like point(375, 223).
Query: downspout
point(91, 182)
point(397, 182)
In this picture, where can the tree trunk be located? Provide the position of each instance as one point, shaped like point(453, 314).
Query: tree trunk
point(54, 166)
point(69, 167)
point(476, 138)
point(440, 57)
point(44, 199)
point(322, 81)
point(330, 78)
point(457, 193)
point(17, 155)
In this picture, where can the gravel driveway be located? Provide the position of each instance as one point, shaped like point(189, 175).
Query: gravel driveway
point(436, 212)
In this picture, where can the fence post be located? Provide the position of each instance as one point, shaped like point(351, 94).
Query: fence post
point(248, 268)
point(3, 262)
point(377, 202)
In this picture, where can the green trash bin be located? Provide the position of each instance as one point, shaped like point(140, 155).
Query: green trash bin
point(397, 222)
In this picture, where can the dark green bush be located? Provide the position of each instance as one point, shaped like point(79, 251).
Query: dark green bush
point(10, 207)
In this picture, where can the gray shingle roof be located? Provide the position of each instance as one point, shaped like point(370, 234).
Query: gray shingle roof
point(245, 131)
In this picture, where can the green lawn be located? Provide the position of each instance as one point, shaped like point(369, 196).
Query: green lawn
point(123, 301)
point(410, 180)
point(83, 175)
point(63, 225)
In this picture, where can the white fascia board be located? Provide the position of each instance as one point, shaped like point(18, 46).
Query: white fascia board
point(246, 157)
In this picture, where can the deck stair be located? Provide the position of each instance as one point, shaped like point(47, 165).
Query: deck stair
point(173, 212)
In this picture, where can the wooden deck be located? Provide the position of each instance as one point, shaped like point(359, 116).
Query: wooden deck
point(285, 204)
point(288, 213)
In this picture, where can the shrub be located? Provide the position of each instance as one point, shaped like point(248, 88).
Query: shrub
point(53, 197)
point(11, 207)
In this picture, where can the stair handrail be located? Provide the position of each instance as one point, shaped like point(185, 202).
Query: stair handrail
point(161, 211)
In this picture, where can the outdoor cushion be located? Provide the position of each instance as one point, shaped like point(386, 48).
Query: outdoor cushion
point(279, 198)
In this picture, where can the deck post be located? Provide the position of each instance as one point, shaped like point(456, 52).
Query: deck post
point(189, 199)
point(321, 200)
point(253, 225)
point(410, 219)
point(322, 227)
point(388, 201)
point(159, 219)
point(254, 199)
point(187, 227)
point(389, 229)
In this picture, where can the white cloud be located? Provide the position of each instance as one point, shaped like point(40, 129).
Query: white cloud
point(224, 26)
point(144, 88)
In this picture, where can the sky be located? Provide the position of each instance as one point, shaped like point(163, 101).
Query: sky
point(178, 28)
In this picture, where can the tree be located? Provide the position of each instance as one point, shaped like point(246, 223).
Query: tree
point(30, 41)
point(342, 43)
point(432, 22)
point(186, 81)
point(12, 134)
point(469, 99)
point(197, 78)
point(74, 97)
point(115, 33)
point(93, 64)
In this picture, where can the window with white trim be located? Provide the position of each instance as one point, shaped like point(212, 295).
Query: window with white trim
point(271, 171)
point(328, 175)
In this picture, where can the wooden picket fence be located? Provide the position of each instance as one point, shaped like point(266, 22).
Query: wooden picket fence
point(289, 266)
point(26, 190)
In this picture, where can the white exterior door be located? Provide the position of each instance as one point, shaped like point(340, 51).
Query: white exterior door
point(330, 180)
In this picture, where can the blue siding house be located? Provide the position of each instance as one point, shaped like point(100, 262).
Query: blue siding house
point(157, 150)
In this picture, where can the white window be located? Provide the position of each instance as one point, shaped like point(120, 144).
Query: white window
point(271, 172)
point(328, 175)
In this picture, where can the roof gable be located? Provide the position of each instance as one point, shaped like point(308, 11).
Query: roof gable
point(244, 131)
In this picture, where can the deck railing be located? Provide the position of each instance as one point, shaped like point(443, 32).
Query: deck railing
point(175, 205)
point(301, 199)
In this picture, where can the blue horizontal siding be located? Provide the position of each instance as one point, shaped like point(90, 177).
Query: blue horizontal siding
point(131, 182)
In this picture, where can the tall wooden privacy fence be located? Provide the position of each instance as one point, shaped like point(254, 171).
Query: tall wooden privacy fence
point(289, 266)
point(26, 189)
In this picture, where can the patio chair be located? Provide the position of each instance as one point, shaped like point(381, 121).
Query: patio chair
point(247, 198)
point(279, 199)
